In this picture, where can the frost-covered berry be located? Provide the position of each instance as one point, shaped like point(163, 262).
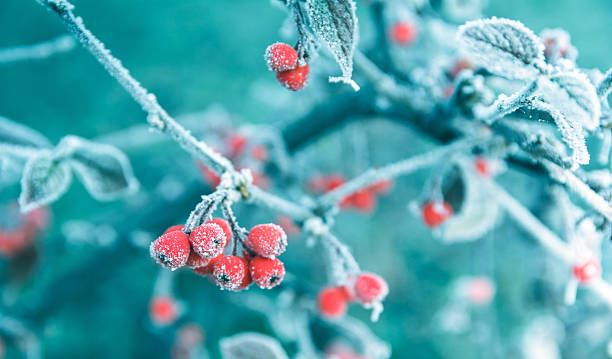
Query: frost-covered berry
point(266, 273)
point(178, 227)
point(586, 271)
point(434, 213)
point(403, 33)
point(196, 261)
point(171, 249)
point(332, 302)
point(224, 225)
point(370, 288)
point(281, 57)
point(208, 240)
point(267, 240)
point(230, 272)
point(208, 268)
point(163, 310)
point(295, 79)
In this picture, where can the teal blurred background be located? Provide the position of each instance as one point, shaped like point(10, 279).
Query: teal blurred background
point(85, 302)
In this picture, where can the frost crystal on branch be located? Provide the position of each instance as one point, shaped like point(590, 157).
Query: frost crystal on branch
point(504, 47)
point(335, 23)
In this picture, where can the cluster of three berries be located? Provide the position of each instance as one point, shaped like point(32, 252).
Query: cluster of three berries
point(202, 250)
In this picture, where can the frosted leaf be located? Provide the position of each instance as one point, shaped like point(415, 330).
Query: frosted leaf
point(504, 47)
point(478, 214)
point(335, 23)
point(574, 95)
point(19, 139)
point(45, 178)
point(251, 345)
point(105, 171)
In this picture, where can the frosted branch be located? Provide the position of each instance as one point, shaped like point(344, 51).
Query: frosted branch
point(505, 105)
point(38, 51)
point(278, 204)
point(605, 86)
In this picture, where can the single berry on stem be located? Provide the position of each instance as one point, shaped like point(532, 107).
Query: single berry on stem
point(434, 213)
point(295, 79)
point(403, 33)
point(332, 302)
point(281, 57)
point(266, 273)
point(163, 310)
point(224, 225)
point(267, 240)
point(370, 288)
point(171, 249)
point(208, 240)
point(587, 271)
point(230, 272)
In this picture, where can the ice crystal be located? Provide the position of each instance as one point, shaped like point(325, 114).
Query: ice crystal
point(504, 47)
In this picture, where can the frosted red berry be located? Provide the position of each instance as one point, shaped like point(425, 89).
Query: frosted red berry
point(209, 267)
point(266, 273)
point(370, 288)
point(208, 240)
point(171, 249)
point(224, 225)
point(295, 79)
point(163, 310)
point(434, 213)
point(267, 240)
point(281, 57)
point(587, 271)
point(332, 302)
point(403, 33)
point(178, 227)
point(230, 272)
point(195, 261)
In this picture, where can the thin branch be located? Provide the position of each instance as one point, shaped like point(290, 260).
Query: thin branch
point(37, 51)
point(278, 204)
point(605, 86)
point(393, 170)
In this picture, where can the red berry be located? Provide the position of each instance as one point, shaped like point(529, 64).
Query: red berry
point(224, 225)
point(196, 261)
point(178, 227)
point(208, 268)
point(267, 240)
point(482, 166)
point(363, 200)
point(403, 33)
point(267, 273)
point(434, 213)
point(208, 240)
point(236, 143)
point(370, 288)
point(287, 223)
point(295, 79)
point(586, 271)
point(230, 272)
point(163, 310)
point(281, 57)
point(332, 302)
point(171, 249)
point(209, 175)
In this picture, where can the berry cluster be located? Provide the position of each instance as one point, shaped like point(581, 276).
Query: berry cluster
point(363, 200)
point(283, 59)
point(368, 288)
point(202, 250)
point(18, 231)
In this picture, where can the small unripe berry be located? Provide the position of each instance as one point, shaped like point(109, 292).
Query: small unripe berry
point(178, 227)
point(224, 225)
point(434, 213)
point(267, 240)
point(171, 249)
point(295, 79)
point(208, 268)
point(281, 57)
point(230, 272)
point(332, 302)
point(370, 288)
point(163, 310)
point(586, 271)
point(266, 273)
point(208, 240)
point(403, 33)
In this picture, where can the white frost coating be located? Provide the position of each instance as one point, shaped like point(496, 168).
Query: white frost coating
point(574, 95)
point(251, 345)
point(105, 171)
point(335, 23)
point(44, 180)
point(504, 47)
